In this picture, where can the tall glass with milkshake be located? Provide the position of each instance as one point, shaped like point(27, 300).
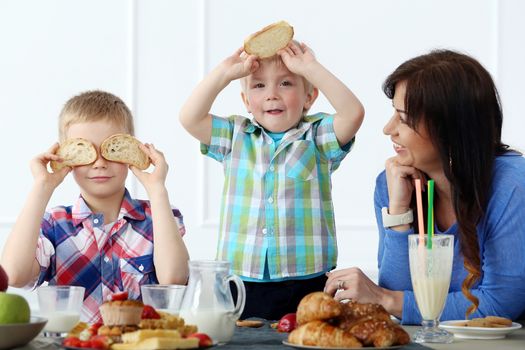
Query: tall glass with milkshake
point(430, 271)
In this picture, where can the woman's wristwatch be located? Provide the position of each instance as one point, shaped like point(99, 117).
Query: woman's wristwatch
point(396, 220)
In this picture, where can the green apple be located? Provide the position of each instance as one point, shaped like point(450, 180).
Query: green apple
point(13, 309)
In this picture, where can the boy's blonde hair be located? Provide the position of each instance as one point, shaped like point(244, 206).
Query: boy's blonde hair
point(277, 59)
point(93, 106)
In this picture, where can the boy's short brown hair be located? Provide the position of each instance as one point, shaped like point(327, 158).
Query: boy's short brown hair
point(92, 106)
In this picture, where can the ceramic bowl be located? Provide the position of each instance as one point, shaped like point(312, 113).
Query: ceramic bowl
point(18, 334)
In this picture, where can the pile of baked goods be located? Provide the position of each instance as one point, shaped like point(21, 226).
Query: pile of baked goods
point(121, 148)
point(130, 325)
point(324, 322)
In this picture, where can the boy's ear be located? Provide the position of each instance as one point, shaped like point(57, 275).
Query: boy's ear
point(310, 98)
point(245, 101)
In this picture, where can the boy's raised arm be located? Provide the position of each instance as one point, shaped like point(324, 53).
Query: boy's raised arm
point(170, 255)
point(19, 254)
point(349, 110)
point(195, 113)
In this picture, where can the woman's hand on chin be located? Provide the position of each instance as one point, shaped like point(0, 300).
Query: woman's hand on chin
point(400, 182)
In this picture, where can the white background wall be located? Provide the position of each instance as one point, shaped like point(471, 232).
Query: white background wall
point(151, 53)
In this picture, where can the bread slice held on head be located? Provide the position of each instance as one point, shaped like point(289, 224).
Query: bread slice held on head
point(266, 42)
point(74, 152)
point(124, 148)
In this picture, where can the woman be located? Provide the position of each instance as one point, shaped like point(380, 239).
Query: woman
point(447, 126)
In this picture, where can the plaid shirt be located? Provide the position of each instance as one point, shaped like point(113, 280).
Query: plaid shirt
point(76, 248)
point(277, 201)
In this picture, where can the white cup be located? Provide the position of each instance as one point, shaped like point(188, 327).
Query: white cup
point(61, 305)
point(163, 297)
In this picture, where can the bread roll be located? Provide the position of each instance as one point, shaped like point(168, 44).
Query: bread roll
point(74, 152)
point(317, 306)
point(266, 42)
point(322, 334)
point(124, 148)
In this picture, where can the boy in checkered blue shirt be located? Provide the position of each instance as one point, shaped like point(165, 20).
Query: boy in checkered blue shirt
point(107, 241)
point(277, 225)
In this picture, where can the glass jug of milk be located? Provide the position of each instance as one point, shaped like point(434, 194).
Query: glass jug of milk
point(208, 301)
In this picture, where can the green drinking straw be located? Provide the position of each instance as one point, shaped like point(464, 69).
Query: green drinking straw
point(430, 227)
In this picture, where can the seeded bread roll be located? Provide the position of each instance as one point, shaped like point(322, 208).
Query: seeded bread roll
point(124, 148)
point(75, 152)
point(266, 42)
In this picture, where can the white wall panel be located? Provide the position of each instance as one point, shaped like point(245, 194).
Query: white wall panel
point(511, 69)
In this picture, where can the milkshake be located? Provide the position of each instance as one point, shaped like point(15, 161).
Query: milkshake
point(431, 294)
point(430, 272)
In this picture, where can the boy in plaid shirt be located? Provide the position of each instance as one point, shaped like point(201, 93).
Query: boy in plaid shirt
point(277, 225)
point(107, 241)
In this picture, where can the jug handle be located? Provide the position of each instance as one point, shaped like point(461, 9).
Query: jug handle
point(241, 294)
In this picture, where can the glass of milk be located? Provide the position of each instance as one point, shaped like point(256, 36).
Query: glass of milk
point(61, 305)
point(163, 297)
point(430, 272)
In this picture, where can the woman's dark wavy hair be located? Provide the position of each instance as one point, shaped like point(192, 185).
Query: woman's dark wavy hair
point(456, 100)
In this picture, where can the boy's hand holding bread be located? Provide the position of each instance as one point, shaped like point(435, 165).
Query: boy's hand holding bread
point(43, 178)
point(298, 58)
point(153, 181)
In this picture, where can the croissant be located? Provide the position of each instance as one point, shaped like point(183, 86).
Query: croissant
point(322, 334)
point(371, 324)
point(371, 331)
point(317, 306)
point(353, 312)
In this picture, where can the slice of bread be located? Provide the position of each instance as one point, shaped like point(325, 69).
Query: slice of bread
point(75, 152)
point(124, 148)
point(266, 42)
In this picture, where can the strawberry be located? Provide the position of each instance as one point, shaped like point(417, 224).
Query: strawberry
point(149, 312)
point(85, 343)
point(119, 296)
point(71, 342)
point(287, 323)
point(3, 280)
point(93, 329)
point(204, 339)
point(101, 342)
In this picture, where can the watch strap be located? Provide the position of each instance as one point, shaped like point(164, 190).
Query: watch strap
point(390, 220)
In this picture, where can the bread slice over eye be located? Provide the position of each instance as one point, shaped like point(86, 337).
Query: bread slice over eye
point(267, 41)
point(74, 152)
point(124, 148)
